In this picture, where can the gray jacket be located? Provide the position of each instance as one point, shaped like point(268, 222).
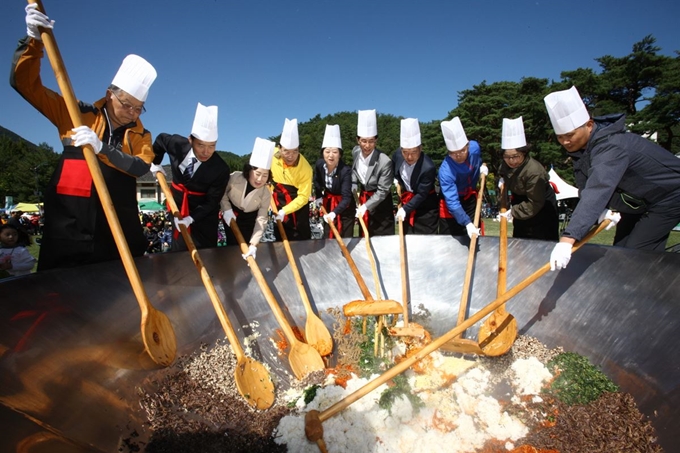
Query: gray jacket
point(379, 177)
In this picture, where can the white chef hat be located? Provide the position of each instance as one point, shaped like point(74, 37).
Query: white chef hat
point(205, 123)
point(367, 125)
point(410, 133)
point(454, 135)
point(289, 136)
point(135, 77)
point(331, 137)
point(566, 110)
point(261, 157)
point(513, 134)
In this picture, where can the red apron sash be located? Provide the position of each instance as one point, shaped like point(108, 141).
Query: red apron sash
point(184, 209)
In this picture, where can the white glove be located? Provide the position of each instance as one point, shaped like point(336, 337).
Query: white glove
point(507, 214)
point(484, 170)
point(158, 168)
point(401, 214)
point(560, 256)
point(472, 229)
point(252, 251)
point(188, 220)
point(328, 218)
point(613, 217)
point(281, 215)
point(83, 135)
point(228, 216)
point(501, 181)
point(318, 202)
point(361, 210)
point(35, 19)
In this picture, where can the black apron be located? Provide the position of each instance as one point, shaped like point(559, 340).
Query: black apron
point(76, 230)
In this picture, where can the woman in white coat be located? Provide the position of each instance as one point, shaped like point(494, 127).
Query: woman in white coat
point(247, 197)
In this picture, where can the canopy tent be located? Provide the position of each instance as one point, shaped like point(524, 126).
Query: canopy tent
point(27, 207)
point(150, 205)
point(563, 190)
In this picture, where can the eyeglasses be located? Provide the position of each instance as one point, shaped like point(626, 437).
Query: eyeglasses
point(129, 107)
point(513, 157)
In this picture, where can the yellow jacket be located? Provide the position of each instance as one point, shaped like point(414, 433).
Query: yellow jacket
point(298, 176)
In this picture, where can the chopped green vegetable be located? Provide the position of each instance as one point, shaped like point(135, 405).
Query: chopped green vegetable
point(578, 381)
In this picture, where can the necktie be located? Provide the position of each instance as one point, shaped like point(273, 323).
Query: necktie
point(189, 171)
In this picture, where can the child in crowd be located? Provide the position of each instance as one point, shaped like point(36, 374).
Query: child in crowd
point(14, 258)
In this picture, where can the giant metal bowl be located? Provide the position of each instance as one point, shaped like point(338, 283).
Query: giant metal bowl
point(71, 352)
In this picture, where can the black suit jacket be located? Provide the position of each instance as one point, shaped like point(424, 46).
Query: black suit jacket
point(210, 178)
point(342, 184)
point(422, 181)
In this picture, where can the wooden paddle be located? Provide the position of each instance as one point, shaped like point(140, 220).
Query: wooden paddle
point(252, 379)
point(313, 421)
point(303, 358)
point(157, 332)
point(316, 332)
point(459, 344)
point(499, 331)
point(407, 330)
point(359, 307)
point(377, 308)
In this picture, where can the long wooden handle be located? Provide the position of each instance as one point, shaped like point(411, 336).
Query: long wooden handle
point(350, 261)
point(266, 291)
point(369, 252)
point(451, 334)
point(503, 245)
point(207, 281)
point(291, 260)
point(402, 262)
point(93, 164)
point(462, 308)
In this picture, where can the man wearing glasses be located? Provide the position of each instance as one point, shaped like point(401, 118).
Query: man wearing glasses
point(76, 231)
point(458, 178)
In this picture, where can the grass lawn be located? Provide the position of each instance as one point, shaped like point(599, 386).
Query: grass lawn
point(34, 250)
point(491, 228)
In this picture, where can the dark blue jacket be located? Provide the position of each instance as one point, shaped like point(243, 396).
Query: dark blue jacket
point(621, 171)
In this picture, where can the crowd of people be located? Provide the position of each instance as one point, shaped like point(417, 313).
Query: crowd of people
point(620, 176)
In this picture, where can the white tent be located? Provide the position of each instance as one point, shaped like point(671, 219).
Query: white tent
point(564, 190)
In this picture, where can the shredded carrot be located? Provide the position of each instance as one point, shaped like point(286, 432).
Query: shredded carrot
point(281, 342)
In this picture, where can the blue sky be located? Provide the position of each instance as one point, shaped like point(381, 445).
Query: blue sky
point(264, 61)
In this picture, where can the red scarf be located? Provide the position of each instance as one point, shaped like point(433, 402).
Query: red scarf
point(184, 209)
point(330, 202)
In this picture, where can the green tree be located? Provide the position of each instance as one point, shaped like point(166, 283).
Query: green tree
point(626, 79)
point(26, 169)
point(662, 114)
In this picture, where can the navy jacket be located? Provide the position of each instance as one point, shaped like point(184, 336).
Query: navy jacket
point(422, 180)
point(342, 183)
point(619, 170)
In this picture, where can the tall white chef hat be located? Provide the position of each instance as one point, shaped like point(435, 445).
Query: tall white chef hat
point(331, 137)
point(566, 110)
point(289, 136)
point(367, 125)
point(410, 133)
point(263, 151)
point(135, 77)
point(513, 134)
point(205, 123)
point(454, 135)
